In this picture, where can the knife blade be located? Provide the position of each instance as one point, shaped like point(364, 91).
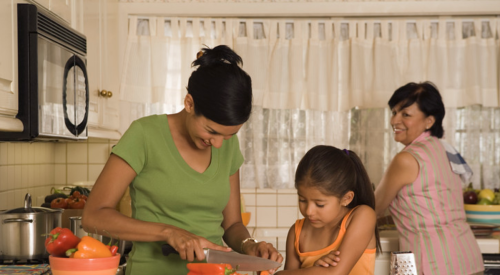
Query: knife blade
point(236, 260)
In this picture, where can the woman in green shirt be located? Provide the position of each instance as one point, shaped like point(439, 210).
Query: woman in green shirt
point(183, 173)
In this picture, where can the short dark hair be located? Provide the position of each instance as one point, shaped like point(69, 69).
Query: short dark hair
point(428, 100)
point(221, 90)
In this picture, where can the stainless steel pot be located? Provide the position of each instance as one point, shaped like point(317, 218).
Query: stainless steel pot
point(77, 229)
point(23, 231)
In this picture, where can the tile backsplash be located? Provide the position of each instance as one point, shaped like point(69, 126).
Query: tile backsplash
point(36, 167)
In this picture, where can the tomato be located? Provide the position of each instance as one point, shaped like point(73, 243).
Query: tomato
point(58, 203)
point(77, 204)
point(83, 197)
point(76, 194)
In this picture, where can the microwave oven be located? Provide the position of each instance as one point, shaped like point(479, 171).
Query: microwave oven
point(53, 84)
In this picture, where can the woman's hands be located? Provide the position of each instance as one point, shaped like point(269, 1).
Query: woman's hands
point(263, 250)
point(190, 246)
point(330, 259)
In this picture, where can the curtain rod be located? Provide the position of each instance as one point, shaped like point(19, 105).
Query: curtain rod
point(315, 9)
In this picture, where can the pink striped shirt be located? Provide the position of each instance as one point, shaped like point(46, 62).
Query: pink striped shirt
point(430, 217)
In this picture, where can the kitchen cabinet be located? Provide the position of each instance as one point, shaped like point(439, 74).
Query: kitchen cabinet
point(101, 29)
point(68, 11)
point(8, 58)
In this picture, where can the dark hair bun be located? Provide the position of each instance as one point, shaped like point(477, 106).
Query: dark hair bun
point(217, 55)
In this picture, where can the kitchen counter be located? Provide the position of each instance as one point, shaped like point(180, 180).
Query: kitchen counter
point(389, 240)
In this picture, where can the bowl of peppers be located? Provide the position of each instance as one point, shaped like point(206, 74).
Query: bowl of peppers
point(70, 255)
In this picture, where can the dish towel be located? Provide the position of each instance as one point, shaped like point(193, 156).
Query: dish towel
point(458, 164)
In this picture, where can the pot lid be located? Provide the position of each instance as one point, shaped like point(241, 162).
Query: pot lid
point(28, 209)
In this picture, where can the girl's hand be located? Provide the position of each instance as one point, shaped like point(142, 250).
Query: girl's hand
point(330, 259)
point(263, 250)
point(190, 246)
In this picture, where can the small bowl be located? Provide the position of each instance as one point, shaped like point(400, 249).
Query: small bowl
point(245, 217)
point(477, 213)
point(95, 266)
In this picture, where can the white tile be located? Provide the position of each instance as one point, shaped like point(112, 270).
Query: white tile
point(266, 191)
point(77, 172)
point(281, 244)
point(11, 154)
point(18, 156)
point(31, 152)
point(247, 190)
point(266, 217)
point(77, 153)
point(288, 200)
point(97, 140)
point(10, 177)
point(253, 215)
point(266, 200)
point(37, 172)
point(10, 200)
point(60, 153)
point(287, 216)
point(287, 191)
point(51, 152)
point(94, 171)
point(3, 178)
point(98, 153)
point(50, 174)
point(3, 201)
point(3, 153)
point(25, 158)
point(250, 199)
point(24, 176)
point(60, 174)
point(38, 156)
point(18, 177)
point(19, 195)
point(31, 175)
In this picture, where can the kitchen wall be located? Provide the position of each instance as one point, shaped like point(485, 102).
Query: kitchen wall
point(38, 166)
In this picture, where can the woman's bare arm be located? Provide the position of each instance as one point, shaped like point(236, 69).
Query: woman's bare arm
point(402, 171)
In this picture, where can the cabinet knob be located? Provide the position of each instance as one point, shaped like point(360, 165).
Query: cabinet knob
point(103, 93)
point(110, 94)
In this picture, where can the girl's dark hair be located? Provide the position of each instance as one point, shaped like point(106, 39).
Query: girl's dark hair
point(428, 100)
point(335, 172)
point(221, 90)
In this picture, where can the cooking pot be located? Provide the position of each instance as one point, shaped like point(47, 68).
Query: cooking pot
point(23, 231)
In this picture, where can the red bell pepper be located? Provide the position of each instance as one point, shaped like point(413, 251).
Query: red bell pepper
point(212, 269)
point(60, 240)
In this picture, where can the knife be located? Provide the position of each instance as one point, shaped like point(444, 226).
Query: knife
point(236, 260)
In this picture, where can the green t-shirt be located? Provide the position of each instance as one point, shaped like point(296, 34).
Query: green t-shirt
point(167, 190)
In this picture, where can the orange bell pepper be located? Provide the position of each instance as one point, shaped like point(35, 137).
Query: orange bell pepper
point(88, 248)
point(212, 269)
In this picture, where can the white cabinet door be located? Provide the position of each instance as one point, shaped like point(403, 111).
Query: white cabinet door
point(61, 8)
point(8, 58)
point(101, 28)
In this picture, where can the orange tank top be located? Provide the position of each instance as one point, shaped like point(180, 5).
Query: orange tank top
point(365, 264)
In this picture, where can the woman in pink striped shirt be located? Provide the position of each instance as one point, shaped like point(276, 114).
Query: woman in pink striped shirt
point(421, 191)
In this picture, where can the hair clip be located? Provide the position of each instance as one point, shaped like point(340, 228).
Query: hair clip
point(346, 151)
point(199, 54)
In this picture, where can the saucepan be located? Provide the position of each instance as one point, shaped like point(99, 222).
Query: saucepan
point(23, 231)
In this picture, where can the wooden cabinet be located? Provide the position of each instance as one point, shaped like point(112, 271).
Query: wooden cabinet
point(101, 29)
point(8, 58)
point(68, 10)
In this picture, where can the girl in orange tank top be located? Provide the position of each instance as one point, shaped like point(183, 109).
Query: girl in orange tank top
point(337, 201)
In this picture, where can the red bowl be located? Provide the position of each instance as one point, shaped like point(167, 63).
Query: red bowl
point(96, 266)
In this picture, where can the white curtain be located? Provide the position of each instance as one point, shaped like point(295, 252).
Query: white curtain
point(324, 81)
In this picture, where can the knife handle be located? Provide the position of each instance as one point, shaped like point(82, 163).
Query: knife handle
point(167, 249)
